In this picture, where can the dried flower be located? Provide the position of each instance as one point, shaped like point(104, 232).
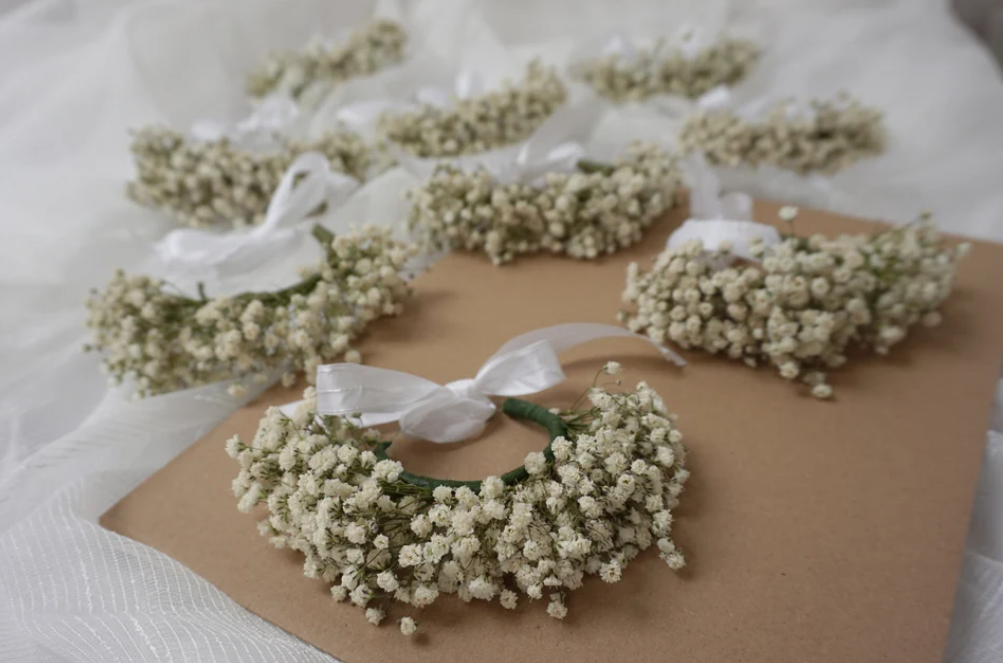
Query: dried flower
point(373, 47)
point(598, 210)
point(666, 68)
point(803, 305)
point(480, 123)
point(823, 136)
point(166, 342)
point(604, 493)
point(200, 183)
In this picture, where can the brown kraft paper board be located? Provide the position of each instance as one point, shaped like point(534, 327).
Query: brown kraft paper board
point(814, 531)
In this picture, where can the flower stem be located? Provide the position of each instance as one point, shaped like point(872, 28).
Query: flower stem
point(590, 166)
point(513, 407)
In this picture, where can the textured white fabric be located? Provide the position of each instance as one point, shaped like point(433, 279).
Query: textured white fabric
point(75, 76)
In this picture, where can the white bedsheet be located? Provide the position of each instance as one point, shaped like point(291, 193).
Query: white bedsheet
point(75, 76)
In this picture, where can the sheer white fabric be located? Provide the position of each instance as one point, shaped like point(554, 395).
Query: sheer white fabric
point(75, 76)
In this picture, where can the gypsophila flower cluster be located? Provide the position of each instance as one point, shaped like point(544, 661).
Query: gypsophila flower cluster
point(804, 305)
point(824, 137)
point(479, 123)
point(165, 341)
point(585, 214)
point(387, 540)
point(665, 69)
point(375, 46)
point(199, 183)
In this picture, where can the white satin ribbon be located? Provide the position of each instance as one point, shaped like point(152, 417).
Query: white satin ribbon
point(306, 184)
point(273, 114)
point(459, 410)
point(716, 219)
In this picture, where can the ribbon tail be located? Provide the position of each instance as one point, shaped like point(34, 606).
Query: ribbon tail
point(415, 166)
point(379, 394)
point(570, 123)
point(566, 336)
point(191, 248)
point(468, 84)
point(528, 369)
point(705, 189)
point(300, 192)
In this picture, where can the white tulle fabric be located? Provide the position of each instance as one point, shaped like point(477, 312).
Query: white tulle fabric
point(76, 76)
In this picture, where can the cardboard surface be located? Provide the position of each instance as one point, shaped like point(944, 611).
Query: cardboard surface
point(815, 531)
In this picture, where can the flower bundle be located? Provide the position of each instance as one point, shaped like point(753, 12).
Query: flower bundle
point(373, 47)
point(599, 209)
point(165, 341)
point(665, 68)
point(825, 136)
point(478, 123)
point(199, 183)
point(600, 493)
point(803, 305)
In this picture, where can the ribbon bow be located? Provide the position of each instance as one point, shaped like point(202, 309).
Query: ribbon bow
point(306, 184)
point(272, 115)
point(716, 219)
point(459, 410)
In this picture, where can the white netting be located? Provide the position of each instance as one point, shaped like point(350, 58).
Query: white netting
point(75, 76)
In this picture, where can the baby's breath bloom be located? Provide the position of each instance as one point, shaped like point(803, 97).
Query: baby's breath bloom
point(408, 626)
point(480, 123)
point(191, 342)
point(824, 136)
point(204, 183)
point(802, 306)
point(665, 68)
point(307, 74)
point(509, 599)
point(586, 214)
point(787, 213)
point(556, 608)
point(588, 510)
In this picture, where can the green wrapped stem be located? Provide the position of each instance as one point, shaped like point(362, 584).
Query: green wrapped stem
point(322, 235)
point(590, 166)
point(513, 407)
